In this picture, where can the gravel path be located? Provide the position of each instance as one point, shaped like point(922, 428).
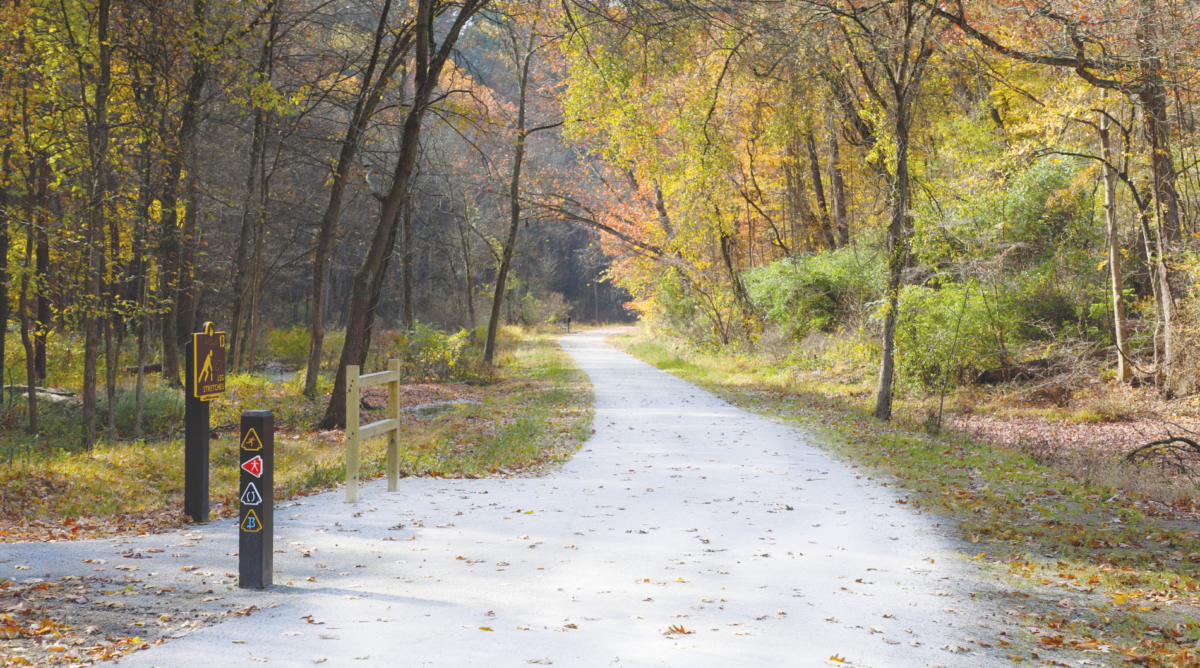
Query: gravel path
point(682, 511)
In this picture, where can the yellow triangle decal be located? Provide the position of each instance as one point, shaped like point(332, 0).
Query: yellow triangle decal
point(251, 522)
point(251, 441)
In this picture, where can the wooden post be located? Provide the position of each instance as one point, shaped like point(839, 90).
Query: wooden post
point(393, 451)
point(195, 445)
point(352, 399)
point(204, 379)
point(256, 500)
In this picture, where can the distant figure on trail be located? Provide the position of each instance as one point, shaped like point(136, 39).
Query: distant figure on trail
point(568, 324)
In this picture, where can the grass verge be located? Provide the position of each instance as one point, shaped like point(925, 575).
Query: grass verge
point(535, 415)
point(1089, 570)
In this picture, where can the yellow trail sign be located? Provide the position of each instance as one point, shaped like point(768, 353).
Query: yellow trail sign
point(208, 363)
point(251, 522)
point(251, 442)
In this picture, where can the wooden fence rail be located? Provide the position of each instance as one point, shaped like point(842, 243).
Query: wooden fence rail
point(390, 425)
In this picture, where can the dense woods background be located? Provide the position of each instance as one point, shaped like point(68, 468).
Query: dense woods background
point(944, 193)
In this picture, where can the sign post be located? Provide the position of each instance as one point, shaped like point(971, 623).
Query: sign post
point(204, 380)
point(256, 500)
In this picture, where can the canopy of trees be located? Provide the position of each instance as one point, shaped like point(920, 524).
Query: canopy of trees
point(948, 185)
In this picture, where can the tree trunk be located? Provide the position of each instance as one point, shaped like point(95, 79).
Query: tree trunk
point(406, 266)
point(728, 243)
point(514, 206)
point(469, 278)
point(838, 187)
point(143, 344)
point(256, 276)
point(897, 240)
point(178, 146)
point(377, 292)
point(139, 287)
point(112, 352)
point(23, 307)
point(368, 101)
point(5, 275)
point(189, 300)
point(242, 271)
point(114, 324)
point(97, 175)
point(256, 165)
point(1124, 372)
point(427, 71)
point(814, 166)
point(510, 243)
point(41, 330)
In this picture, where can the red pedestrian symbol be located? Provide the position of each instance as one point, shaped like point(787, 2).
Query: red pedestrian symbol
point(254, 466)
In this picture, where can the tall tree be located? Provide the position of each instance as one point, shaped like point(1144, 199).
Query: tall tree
point(374, 81)
point(522, 50)
point(93, 60)
point(1123, 53)
point(430, 59)
point(890, 45)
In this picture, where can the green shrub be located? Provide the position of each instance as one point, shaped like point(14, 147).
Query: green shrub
point(289, 346)
point(428, 353)
point(162, 409)
point(952, 327)
point(808, 293)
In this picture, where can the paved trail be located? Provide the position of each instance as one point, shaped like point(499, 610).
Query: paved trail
point(681, 511)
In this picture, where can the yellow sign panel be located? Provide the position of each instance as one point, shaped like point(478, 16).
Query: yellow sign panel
point(251, 442)
point(208, 364)
point(251, 522)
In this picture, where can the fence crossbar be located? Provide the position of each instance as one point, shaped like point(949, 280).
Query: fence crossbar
point(390, 426)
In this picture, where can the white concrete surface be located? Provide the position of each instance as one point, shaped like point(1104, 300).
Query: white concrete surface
point(680, 511)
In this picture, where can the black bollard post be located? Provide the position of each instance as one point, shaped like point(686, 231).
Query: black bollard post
point(204, 380)
point(256, 496)
point(195, 445)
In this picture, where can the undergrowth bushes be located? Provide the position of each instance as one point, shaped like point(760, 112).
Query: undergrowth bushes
point(995, 276)
point(817, 293)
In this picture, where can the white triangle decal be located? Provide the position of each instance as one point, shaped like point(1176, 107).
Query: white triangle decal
point(251, 497)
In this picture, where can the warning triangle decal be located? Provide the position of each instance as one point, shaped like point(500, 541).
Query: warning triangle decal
point(251, 522)
point(251, 442)
point(251, 497)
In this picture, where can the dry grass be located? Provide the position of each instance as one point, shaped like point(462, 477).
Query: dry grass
point(536, 415)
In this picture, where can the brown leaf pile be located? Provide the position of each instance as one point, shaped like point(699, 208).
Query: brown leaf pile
point(419, 394)
point(1109, 420)
point(35, 628)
